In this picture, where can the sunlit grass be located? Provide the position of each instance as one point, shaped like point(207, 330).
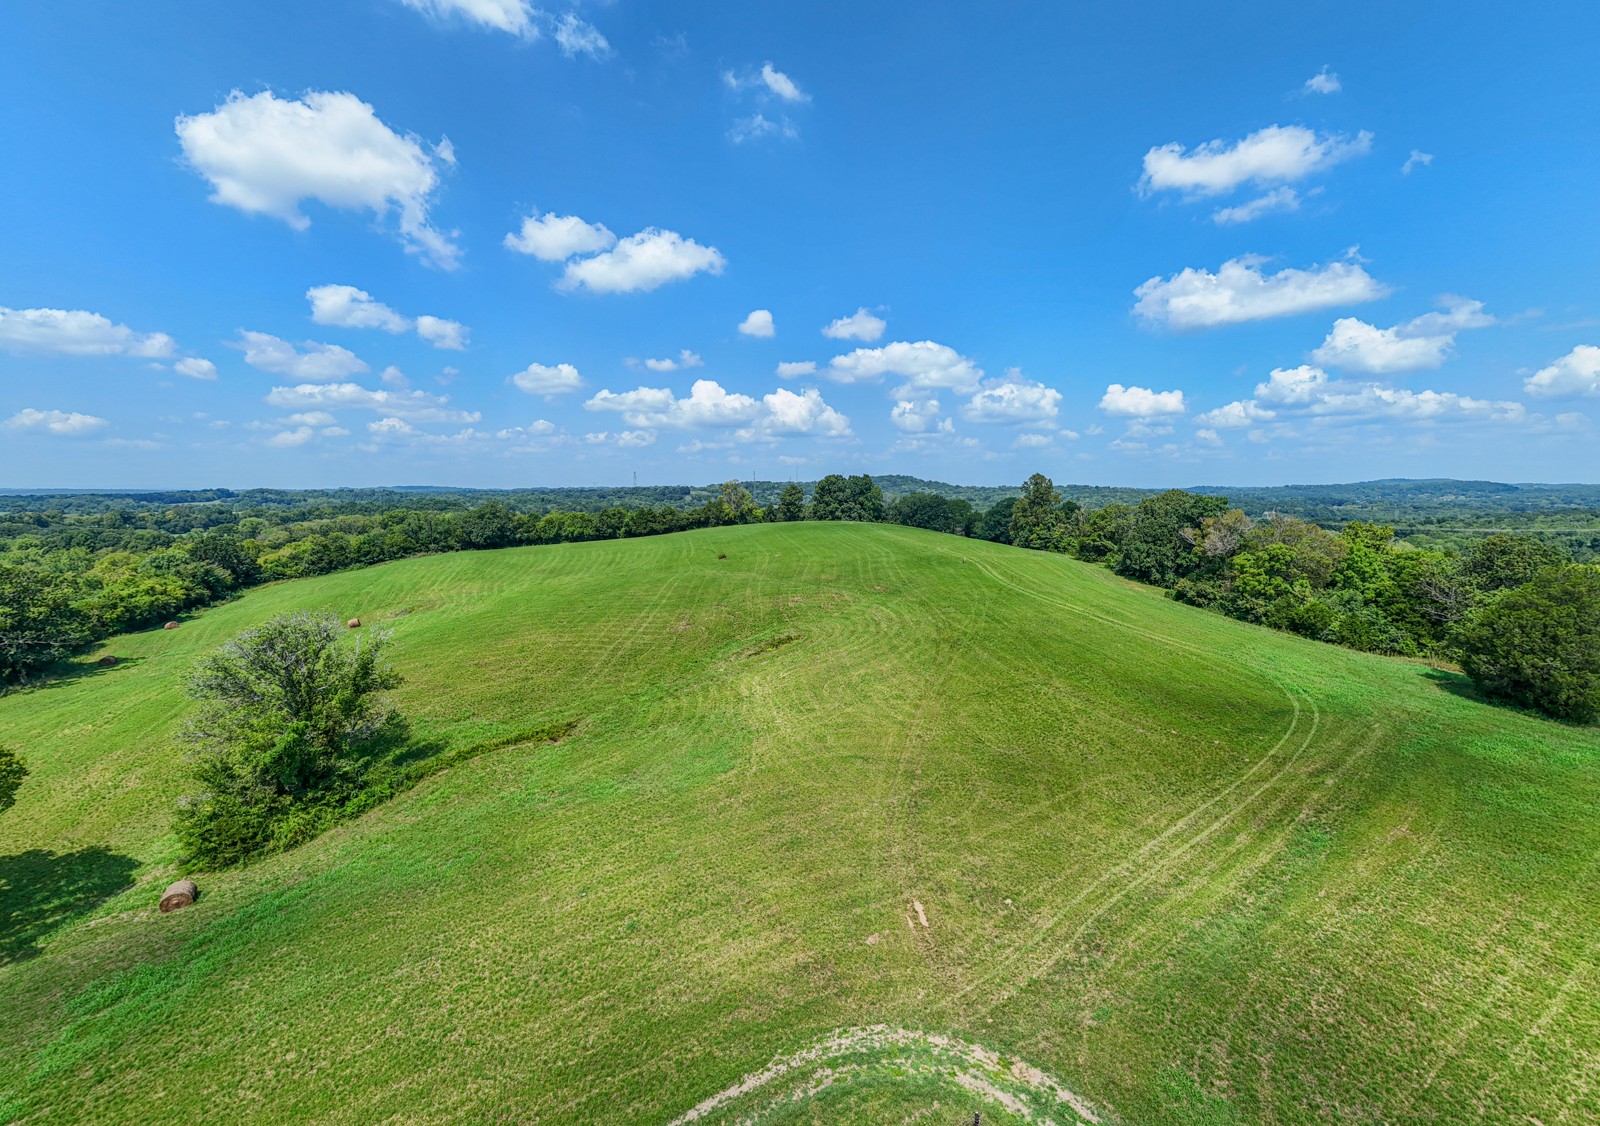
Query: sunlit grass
point(1191, 869)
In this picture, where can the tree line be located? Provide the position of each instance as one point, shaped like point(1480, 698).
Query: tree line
point(1358, 586)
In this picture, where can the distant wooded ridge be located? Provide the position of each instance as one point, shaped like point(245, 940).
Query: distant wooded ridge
point(1395, 500)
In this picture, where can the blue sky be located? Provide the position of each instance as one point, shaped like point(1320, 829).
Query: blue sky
point(478, 242)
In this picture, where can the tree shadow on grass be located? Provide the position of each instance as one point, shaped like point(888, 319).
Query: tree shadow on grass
point(65, 673)
point(1460, 684)
point(41, 891)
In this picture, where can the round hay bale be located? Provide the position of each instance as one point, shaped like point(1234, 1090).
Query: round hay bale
point(354, 623)
point(180, 894)
point(170, 625)
point(107, 661)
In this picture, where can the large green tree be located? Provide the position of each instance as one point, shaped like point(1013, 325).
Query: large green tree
point(1539, 643)
point(12, 772)
point(287, 714)
point(1039, 520)
point(1154, 549)
point(39, 622)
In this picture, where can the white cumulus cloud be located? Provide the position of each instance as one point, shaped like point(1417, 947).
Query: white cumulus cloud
point(1417, 159)
point(555, 238)
point(859, 325)
point(1278, 199)
point(195, 368)
point(781, 84)
point(684, 359)
point(1576, 373)
point(515, 17)
point(542, 379)
point(1141, 402)
point(794, 369)
point(1278, 154)
point(709, 404)
point(76, 332)
point(1239, 291)
point(1323, 82)
point(1308, 393)
point(641, 262)
point(267, 155)
point(915, 416)
point(924, 365)
point(312, 362)
point(345, 306)
point(55, 422)
point(1422, 342)
point(442, 333)
point(758, 324)
point(1013, 399)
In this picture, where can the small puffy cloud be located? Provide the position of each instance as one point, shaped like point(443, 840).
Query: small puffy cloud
point(710, 405)
point(759, 125)
point(641, 262)
point(685, 359)
point(1235, 416)
point(784, 412)
point(915, 416)
point(442, 333)
point(1417, 159)
point(1278, 199)
point(394, 377)
point(311, 418)
point(195, 368)
point(540, 379)
point(515, 17)
point(555, 238)
point(1323, 82)
point(1423, 342)
point(578, 37)
point(758, 324)
point(266, 155)
point(1307, 393)
point(1239, 291)
point(1278, 154)
point(1013, 399)
point(924, 365)
point(1033, 441)
point(626, 439)
point(1140, 402)
point(781, 84)
point(299, 436)
point(55, 422)
point(1576, 373)
point(345, 306)
point(794, 369)
point(76, 332)
point(859, 325)
point(323, 363)
point(418, 406)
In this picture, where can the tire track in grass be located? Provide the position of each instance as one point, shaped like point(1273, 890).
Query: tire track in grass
point(1171, 856)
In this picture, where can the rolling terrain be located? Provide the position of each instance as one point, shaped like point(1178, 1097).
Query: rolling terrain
point(857, 824)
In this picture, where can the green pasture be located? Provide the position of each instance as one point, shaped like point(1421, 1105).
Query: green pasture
point(857, 824)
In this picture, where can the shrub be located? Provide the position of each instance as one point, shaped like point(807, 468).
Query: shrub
point(289, 721)
point(1539, 643)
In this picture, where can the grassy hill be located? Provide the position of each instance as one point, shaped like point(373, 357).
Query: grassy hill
point(859, 824)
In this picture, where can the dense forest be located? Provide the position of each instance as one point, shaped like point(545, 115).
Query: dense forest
point(1408, 568)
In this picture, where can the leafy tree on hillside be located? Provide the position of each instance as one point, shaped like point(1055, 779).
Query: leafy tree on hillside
point(1154, 550)
point(288, 714)
point(1102, 531)
point(927, 510)
point(995, 523)
point(1500, 561)
point(1039, 520)
point(38, 621)
point(852, 498)
point(12, 772)
point(791, 504)
point(1539, 643)
point(489, 525)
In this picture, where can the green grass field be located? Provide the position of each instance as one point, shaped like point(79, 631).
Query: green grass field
point(1081, 852)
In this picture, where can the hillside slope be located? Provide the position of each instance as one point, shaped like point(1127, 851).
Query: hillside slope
point(1052, 832)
